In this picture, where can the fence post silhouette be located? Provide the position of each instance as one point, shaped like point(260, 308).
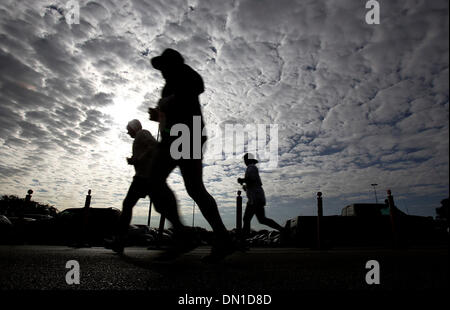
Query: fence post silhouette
point(149, 213)
point(319, 219)
point(25, 205)
point(193, 215)
point(392, 216)
point(162, 219)
point(162, 222)
point(85, 234)
point(28, 196)
point(87, 202)
point(239, 213)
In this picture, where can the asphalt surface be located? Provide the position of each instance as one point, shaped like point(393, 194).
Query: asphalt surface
point(44, 268)
point(259, 271)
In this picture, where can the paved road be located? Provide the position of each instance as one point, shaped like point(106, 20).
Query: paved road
point(260, 270)
point(44, 267)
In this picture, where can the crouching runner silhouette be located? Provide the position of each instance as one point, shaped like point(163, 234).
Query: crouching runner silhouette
point(179, 104)
point(144, 146)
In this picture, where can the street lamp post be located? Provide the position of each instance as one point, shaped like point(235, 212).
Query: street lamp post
point(375, 191)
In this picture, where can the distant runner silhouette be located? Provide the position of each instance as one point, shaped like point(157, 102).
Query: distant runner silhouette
point(144, 146)
point(256, 197)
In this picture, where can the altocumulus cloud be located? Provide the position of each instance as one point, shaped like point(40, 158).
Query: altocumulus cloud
point(356, 104)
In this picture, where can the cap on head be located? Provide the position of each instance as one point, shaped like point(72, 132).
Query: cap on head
point(250, 158)
point(169, 58)
point(134, 125)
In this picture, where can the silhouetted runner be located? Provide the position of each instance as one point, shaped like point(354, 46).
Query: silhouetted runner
point(256, 197)
point(144, 146)
point(179, 103)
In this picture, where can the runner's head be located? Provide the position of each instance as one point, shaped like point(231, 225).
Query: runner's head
point(133, 127)
point(169, 61)
point(249, 159)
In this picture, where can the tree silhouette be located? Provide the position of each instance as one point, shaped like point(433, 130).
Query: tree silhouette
point(11, 205)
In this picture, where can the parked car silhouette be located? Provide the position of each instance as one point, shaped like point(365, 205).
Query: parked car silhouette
point(139, 235)
point(5, 229)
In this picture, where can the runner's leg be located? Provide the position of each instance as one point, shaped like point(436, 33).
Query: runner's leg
point(162, 196)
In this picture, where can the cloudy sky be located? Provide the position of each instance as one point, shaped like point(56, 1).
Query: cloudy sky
point(355, 104)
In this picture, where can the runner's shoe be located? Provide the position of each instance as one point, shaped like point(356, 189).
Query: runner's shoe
point(115, 244)
point(185, 242)
point(220, 250)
